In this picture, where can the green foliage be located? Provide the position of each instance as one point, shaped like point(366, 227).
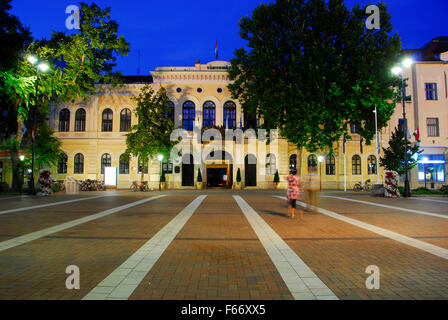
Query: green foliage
point(238, 175)
point(276, 177)
point(55, 188)
point(199, 179)
point(423, 190)
point(394, 155)
point(444, 189)
point(162, 177)
point(47, 147)
point(312, 66)
point(151, 135)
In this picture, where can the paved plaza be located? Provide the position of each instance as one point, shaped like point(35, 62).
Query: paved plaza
point(222, 245)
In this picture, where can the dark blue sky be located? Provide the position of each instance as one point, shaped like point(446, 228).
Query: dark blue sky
point(178, 32)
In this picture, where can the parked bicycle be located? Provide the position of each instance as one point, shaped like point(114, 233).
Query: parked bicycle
point(136, 186)
point(366, 187)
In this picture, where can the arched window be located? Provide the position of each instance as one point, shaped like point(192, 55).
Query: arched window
point(230, 115)
point(80, 120)
point(140, 166)
point(271, 165)
point(125, 120)
point(188, 115)
point(108, 116)
point(293, 162)
point(312, 162)
point(79, 164)
point(356, 165)
point(124, 165)
point(170, 112)
point(371, 164)
point(209, 114)
point(62, 163)
point(64, 120)
point(330, 165)
point(106, 161)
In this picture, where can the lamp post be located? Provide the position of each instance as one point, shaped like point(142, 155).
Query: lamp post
point(42, 67)
point(320, 159)
point(160, 158)
point(377, 148)
point(397, 71)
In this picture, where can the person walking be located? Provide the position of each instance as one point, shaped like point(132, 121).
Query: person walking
point(293, 192)
point(312, 190)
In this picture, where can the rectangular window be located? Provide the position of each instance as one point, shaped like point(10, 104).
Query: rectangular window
point(433, 127)
point(431, 91)
point(431, 168)
point(167, 167)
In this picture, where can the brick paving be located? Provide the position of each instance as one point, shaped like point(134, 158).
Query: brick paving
point(339, 254)
point(217, 255)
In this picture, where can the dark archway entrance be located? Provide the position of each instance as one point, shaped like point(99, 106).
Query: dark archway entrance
point(219, 170)
point(187, 171)
point(250, 170)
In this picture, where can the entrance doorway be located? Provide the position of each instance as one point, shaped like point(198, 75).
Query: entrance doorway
point(187, 171)
point(250, 170)
point(219, 176)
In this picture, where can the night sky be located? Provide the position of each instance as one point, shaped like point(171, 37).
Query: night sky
point(179, 32)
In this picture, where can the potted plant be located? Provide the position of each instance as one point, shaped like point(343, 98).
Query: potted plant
point(276, 180)
point(238, 179)
point(199, 180)
point(162, 180)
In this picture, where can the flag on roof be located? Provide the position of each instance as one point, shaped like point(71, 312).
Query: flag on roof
point(216, 50)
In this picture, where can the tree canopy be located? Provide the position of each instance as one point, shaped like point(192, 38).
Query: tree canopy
point(394, 156)
point(151, 135)
point(313, 67)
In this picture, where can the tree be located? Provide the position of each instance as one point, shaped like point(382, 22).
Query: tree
point(151, 135)
point(394, 157)
point(199, 178)
point(78, 62)
point(238, 175)
point(313, 67)
point(47, 148)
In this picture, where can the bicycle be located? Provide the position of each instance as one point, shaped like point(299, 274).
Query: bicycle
point(366, 187)
point(135, 186)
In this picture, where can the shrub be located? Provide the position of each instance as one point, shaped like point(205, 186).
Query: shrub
point(199, 179)
point(444, 189)
point(276, 177)
point(162, 177)
point(56, 188)
point(238, 175)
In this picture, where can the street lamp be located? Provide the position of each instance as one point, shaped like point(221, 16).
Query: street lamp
point(377, 148)
point(39, 67)
point(406, 63)
point(160, 158)
point(320, 159)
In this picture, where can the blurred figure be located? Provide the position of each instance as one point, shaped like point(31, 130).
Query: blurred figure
point(294, 192)
point(312, 190)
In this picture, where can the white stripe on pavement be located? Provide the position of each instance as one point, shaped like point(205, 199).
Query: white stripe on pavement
point(302, 282)
point(427, 247)
point(14, 197)
point(391, 207)
point(122, 282)
point(427, 199)
point(48, 205)
point(45, 232)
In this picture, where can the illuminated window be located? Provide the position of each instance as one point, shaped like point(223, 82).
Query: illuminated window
point(371, 164)
point(330, 165)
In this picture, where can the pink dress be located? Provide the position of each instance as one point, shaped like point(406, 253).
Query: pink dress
point(294, 188)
